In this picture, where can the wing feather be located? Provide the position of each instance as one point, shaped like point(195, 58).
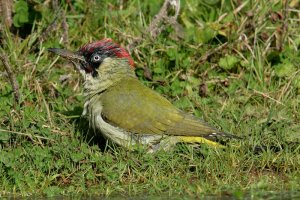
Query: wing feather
point(138, 109)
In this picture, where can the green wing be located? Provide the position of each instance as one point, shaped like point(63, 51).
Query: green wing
point(138, 109)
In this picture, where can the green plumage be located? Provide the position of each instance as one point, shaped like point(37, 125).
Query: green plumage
point(124, 110)
point(135, 108)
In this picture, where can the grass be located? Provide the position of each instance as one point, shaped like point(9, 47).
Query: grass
point(249, 86)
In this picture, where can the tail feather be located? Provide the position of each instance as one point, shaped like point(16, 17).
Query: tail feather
point(195, 139)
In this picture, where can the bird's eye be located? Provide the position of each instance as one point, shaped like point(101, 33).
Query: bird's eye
point(96, 58)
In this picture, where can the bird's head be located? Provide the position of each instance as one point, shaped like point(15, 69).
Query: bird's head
point(101, 63)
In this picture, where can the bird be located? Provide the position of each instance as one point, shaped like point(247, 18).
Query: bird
point(125, 111)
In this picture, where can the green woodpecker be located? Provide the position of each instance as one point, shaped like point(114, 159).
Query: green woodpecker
point(124, 110)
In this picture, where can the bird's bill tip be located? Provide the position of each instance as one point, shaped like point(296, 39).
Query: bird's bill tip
point(67, 54)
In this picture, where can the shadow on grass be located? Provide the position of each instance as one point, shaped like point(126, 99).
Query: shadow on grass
point(87, 134)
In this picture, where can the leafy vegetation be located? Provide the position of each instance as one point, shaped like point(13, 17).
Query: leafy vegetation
point(235, 64)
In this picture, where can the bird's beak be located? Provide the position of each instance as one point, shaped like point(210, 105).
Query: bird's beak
point(72, 56)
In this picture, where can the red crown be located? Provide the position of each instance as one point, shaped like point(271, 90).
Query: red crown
point(108, 45)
